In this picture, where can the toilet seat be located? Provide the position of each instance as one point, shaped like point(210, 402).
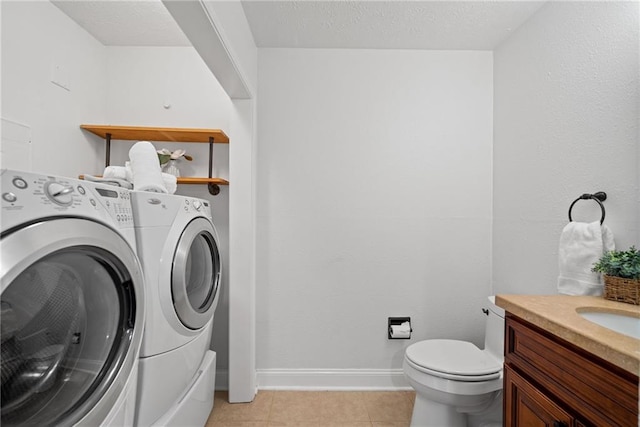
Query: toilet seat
point(454, 360)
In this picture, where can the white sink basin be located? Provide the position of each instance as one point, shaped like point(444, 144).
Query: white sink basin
point(621, 323)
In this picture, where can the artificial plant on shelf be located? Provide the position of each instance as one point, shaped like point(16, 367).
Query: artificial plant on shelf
point(621, 270)
point(168, 158)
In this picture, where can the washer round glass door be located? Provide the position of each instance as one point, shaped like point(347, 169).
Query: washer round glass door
point(68, 314)
point(196, 274)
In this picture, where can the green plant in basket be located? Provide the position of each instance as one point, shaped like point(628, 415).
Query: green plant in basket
point(625, 264)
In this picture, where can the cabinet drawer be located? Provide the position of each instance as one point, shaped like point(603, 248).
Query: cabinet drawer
point(601, 392)
point(528, 406)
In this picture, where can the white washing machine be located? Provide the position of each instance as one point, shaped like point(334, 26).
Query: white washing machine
point(72, 302)
point(178, 247)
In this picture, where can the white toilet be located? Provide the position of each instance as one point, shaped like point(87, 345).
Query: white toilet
point(456, 383)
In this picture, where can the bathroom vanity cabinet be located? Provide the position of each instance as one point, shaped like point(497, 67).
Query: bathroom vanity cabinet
point(551, 382)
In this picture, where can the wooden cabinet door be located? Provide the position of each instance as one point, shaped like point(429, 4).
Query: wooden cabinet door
point(589, 387)
point(526, 406)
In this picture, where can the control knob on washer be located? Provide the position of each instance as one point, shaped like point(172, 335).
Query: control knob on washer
point(197, 205)
point(59, 193)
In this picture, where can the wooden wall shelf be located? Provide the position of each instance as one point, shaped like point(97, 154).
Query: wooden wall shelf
point(191, 135)
point(137, 133)
point(188, 180)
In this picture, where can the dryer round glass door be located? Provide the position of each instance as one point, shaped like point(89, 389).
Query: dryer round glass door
point(68, 315)
point(196, 274)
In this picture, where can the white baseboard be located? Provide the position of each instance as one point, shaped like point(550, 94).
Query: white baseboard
point(332, 379)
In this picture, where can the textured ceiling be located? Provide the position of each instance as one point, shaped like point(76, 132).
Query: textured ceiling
point(369, 24)
point(386, 24)
point(125, 23)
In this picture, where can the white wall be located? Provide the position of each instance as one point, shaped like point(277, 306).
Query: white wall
point(35, 37)
point(566, 123)
point(374, 200)
point(114, 85)
point(141, 81)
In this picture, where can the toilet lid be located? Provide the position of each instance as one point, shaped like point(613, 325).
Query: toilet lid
point(453, 359)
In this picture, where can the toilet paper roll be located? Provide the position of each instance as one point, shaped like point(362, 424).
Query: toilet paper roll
point(402, 330)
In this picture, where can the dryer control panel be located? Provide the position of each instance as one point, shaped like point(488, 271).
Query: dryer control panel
point(28, 196)
point(197, 207)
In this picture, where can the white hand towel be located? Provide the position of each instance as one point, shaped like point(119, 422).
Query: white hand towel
point(581, 245)
point(124, 173)
point(110, 181)
point(117, 172)
point(170, 182)
point(127, 167)
point(145, 167)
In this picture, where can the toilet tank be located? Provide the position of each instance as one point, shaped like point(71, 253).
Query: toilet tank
point(494, 330)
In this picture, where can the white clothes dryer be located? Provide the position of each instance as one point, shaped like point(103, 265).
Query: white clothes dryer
point(72, 302)
point(178, 247)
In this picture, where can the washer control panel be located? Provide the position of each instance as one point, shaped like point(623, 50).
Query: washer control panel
point(59, 193)
point(27, 196)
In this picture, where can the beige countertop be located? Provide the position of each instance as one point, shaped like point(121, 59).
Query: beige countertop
point(558, 314)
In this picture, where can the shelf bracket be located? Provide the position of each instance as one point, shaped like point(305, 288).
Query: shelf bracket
point(214, 189)
point(108, 149)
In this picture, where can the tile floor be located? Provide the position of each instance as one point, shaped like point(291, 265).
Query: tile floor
point(315, 409)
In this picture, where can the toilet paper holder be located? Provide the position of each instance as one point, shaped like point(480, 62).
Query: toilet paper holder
point(397, 321)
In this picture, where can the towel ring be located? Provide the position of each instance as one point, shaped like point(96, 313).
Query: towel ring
point(599, 197)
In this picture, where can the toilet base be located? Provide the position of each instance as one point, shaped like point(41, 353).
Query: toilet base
point(427, 413)
point(490, 416)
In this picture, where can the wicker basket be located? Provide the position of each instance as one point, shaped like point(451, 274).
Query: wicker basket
point(622, 290)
